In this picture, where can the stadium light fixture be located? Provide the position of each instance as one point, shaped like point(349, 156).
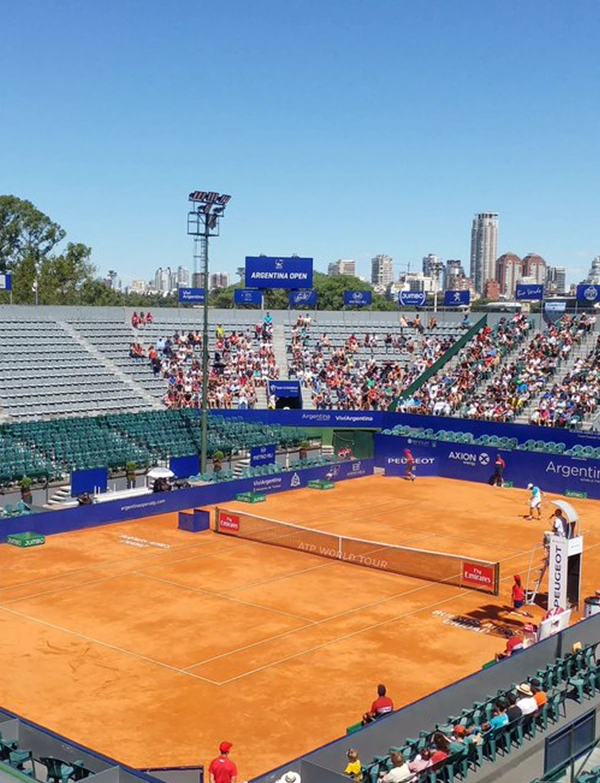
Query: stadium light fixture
point(203, 223)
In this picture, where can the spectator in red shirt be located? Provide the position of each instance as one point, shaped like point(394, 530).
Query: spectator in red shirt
point(440, 748)
point(382, 705)
point(222, 769)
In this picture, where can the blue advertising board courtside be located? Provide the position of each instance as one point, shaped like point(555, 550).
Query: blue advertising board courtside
point(278, 272)
point(92, 480)
point(465, 461)
point(358, 298)
point(262, 455)
point(6, 281)
point(191, 295)
point(457, 298)
point(412, 298)
point(303, 298)
point(51, 522)
point(246, 296)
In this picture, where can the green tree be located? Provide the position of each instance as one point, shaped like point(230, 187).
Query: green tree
point(62, 277)
point(25, 232)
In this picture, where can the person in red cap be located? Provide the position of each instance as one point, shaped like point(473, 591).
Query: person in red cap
point(222, 769)
point(410, 464)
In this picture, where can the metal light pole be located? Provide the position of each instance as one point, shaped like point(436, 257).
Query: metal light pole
point(203, 223)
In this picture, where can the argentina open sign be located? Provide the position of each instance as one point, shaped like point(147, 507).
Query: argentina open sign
point(278, 272)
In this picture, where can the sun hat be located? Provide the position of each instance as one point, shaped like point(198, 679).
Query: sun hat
point(525, 689)
point(530, 486)
point(460, 730)
point(291, 777)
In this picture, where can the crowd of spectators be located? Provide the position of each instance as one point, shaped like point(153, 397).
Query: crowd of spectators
point(142, 319)
point(573, 398)
point(517, 383)
point(242, 361)
point(349, 376)
point(452, 386)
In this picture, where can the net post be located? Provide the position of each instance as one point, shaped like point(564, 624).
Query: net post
point(340, 553)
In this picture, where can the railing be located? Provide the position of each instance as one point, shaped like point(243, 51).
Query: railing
point(441, 362)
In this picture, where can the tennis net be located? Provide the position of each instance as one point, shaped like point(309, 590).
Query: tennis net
point(419, 563)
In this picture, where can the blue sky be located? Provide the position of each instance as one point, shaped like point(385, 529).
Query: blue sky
point(342, 128)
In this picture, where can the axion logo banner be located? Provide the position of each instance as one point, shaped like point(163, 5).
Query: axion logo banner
point(479, 575)
point(229, 523)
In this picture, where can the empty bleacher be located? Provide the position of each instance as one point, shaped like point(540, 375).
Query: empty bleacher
point(45, 372)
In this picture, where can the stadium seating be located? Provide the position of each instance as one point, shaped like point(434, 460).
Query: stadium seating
point(46, 372)
point(51, 449)
point(343, 369)
point(576, 675)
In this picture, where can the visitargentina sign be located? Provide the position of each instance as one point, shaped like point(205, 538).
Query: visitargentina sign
point(278, 272)
point(191, 295)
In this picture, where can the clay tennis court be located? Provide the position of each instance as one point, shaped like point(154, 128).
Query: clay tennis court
point(152, 645)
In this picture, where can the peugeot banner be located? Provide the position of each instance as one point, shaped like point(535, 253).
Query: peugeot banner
point(412, 298)
point(531, 293)
point(191, 295)
point(246, 296)
point(271, 272)
point(303, 298)
point(588, 293)
point(358, 298)
point(457, 298)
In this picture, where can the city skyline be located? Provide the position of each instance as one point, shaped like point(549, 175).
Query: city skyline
point(324, 155)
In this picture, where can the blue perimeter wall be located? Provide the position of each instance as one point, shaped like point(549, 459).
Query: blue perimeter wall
point(551, 472)
point(381, 420)
point(162, 503)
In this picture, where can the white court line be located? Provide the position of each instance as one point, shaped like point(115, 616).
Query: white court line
point(343, 614)
point(60, 589)
point(224, 596)
point(108, 645)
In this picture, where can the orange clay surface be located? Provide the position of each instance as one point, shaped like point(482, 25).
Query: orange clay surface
point(153, 654)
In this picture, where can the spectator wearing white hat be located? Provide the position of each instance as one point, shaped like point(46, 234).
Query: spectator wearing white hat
point(525, 699)
point(290, 777)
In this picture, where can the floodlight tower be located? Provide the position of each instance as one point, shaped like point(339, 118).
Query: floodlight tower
point(203, 223)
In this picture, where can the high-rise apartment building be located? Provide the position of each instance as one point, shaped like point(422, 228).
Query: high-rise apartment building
point(593, 277)
point(484, 248)
point(164, 280)
point(433, 267)
point(198, 280)
point(509, 269)
point(343, 266)
point(534, 267)
point(556, 279)
point(382, 271)
point(183, 276)
point(218, 280)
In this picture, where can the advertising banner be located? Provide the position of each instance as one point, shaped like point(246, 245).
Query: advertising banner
point(412, 298)
point(191, 295)
point(272, 272)
point(554, 311)
point(557, 575)
point(478, 575)
point(284, 388)
point(358, 298)
point(6, 281)
point(303, 298)
point(426, 460)
point(457, 298)
point(262, 455)
point(588, 293)
point(246, 296)
point(90, 481)
point(531, 293)
point(550, 472)
point(183, 467)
